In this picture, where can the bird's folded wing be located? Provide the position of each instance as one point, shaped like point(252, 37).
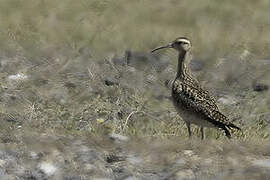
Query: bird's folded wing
point(193, 94)
point(200, 101)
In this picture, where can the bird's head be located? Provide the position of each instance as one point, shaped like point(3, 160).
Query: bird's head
point(180, 44)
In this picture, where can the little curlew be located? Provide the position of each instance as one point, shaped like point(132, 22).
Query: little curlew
point(194, 104)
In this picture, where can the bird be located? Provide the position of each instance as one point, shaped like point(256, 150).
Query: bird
point(193, 103)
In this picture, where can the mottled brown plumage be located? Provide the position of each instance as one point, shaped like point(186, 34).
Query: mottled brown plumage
point(194, 104)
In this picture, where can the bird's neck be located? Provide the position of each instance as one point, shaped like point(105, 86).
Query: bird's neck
point(183, 62)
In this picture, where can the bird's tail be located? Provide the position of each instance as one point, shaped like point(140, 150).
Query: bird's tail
point(224, 120)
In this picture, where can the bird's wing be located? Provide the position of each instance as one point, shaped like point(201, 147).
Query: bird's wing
point(192, 89)
point(198, 100)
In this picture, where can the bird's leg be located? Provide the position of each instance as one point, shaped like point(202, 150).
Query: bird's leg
point(188, 127)
point(227, 133)
point(202, 133)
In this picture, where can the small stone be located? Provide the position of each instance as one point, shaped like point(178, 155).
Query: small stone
point(185, 174)
point(131, 69)
point(118, 137)
point(18, 77)
point(244, 54)
point(2, 163)
point(62, 101)
point(89, 167)
point(228, 100)
point(188, 153)
point(34, 155)
point(259, 87)
point(48, 168)
point(108, 82)
point(195, 158)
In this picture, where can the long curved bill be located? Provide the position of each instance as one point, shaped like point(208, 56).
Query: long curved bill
point(162, 47)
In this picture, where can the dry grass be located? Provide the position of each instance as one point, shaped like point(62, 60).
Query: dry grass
point(62, 45)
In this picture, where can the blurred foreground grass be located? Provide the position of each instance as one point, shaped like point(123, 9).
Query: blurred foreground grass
point(61, 47)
